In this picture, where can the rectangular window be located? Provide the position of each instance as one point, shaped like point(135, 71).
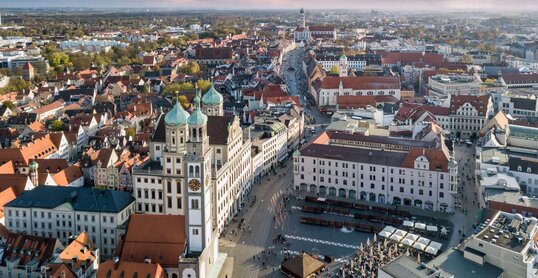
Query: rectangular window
point(169, 201)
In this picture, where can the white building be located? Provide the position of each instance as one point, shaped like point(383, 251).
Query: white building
point(469, 114)
point(62, 212)
point(160, 187)
point(332, 87)
point(444, 85)
point(270, 137)
point(519, 103)
point(378, 169)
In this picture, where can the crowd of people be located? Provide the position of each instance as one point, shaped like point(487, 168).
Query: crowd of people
point(370, 257)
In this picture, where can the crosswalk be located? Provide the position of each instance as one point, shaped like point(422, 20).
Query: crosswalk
point(293, 253)
point(319, 241)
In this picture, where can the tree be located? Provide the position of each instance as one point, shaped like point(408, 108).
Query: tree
point(190, 68)
point(203, 85)
point(178, 87)
point(130, 132)
point(8, 104)
point(58, 58)
point(334, 70)
point(57, 125)
point(184, 101)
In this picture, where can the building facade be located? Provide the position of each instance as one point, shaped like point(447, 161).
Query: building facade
point(377, 169)
point(62, 212)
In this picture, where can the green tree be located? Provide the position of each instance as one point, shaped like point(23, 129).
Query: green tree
point(334, 70)
point(184, 101)
point(57, 125)
point(8, 104)
point(178, 87)
point(190, 68)
point(58, 58)
point(203, 85)
point(130, 132)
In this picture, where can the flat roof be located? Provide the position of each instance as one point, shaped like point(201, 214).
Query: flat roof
point(404, 266)
point(455, 264)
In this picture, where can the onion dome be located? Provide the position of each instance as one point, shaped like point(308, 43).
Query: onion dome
point(197, 118)
point(177, 116)
point(212, 97)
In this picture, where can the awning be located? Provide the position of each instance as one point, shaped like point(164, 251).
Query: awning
point(384, 234)
point(401, 233)
point(419, 246)
point(396, 237)
point(407, 242)
point(423, 240)
point(412, 237)
point(431, 250)
point(421, 226)
point(408, 223)
point(435, 245)
point(283, 158)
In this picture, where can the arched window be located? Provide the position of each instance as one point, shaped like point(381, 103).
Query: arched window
point(197, 171)
point(191, 170)
point(194, 132)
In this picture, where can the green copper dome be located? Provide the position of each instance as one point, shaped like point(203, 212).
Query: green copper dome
point(177, 116)
point(33, 165)
point(197, 118)
point(212, 97)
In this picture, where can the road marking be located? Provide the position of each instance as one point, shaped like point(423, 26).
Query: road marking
point(338, 244)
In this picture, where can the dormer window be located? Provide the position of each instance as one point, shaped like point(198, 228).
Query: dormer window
point(529, 170)
point(519, 168)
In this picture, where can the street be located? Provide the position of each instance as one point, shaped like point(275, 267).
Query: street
point(242, 246)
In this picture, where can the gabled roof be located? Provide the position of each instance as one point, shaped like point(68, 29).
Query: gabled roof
point(127, 269)
point(480, 103)
point(163, 246)
point(34, 248)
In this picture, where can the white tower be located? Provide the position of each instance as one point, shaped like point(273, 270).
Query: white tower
point(198, 178)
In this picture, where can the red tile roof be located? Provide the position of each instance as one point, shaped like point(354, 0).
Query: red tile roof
point(164, 245)
point(350, 102)
point(393, 58)
point(519, 78)
point(362, 82)
point(480, 103)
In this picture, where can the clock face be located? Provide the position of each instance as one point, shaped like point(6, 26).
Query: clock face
point(194, 185)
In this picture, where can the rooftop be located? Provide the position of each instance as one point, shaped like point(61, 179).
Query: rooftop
point(79, 198)
point(509, 231)
point(454, 264)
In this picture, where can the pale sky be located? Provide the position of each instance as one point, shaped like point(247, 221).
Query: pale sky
point(439, 5)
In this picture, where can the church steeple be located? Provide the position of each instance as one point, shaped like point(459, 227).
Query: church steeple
point(303, 22)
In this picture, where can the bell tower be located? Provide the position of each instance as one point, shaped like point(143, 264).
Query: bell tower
point(199, 216)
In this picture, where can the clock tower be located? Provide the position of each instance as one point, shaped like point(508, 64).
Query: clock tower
point(197, 171)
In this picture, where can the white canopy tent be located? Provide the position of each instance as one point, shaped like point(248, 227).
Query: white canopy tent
point(431, 250)
point(389, 229)
point(384, 234)
point(419, 246)
point(420, 226)
point(408, 223)
point(407, 241)
point(431, 228)
point(401, 233)
point(423, 240)
point(396, 237)
point(412, 237)
point(435, 245)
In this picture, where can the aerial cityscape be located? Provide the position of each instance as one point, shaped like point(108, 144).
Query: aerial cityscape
point(279, 138)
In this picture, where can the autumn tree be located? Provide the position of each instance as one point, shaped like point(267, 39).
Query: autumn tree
point(57, 125)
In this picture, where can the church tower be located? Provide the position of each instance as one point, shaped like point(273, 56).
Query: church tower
point(176, 128)
point(197, 163)
point(212, 102)
point(303, 22)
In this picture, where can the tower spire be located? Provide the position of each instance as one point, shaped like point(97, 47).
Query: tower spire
point(303, 23)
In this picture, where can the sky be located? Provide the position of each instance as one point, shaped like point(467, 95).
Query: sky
point(440, 5)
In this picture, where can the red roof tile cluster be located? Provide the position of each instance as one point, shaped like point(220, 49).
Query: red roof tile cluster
point(406, 58)
point(480, 103)
point(351, 102)
point(362, 82)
